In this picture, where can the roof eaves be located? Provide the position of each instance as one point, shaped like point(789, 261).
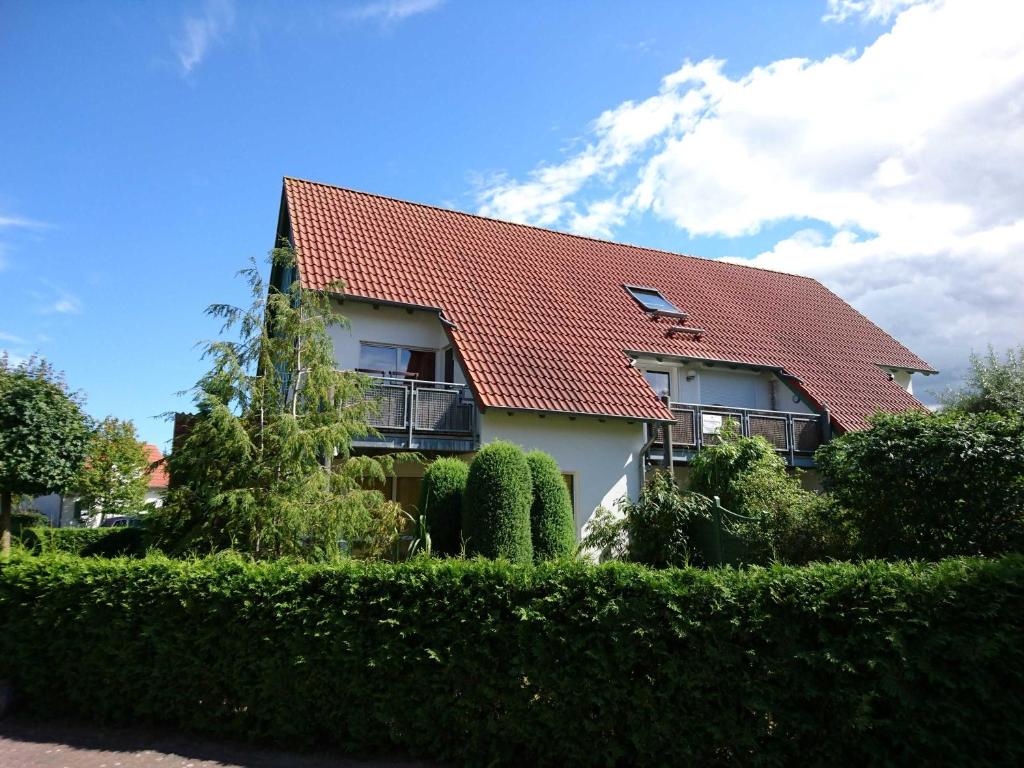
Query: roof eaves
point(584, 415)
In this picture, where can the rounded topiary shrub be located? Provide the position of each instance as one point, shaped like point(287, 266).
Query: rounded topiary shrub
point(444, 483)
point(496, 506)
point(551, 520)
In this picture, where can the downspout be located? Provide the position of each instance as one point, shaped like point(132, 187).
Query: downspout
point(652, 428)
point(668, 451)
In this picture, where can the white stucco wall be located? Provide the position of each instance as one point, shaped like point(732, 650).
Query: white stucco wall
point(388, 325)
point(603, 456)
point(905, 379)
point(694, 382)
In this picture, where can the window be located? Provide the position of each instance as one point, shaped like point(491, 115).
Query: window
point(652, 300)
point(401, 362)
point(449, 365)
point(660, 382)
point(570, 483)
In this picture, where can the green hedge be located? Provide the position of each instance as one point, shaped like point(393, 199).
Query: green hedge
point(87, 542)
point(444, 483)
point(551, 519)
point(496, 504)
point(562, 664)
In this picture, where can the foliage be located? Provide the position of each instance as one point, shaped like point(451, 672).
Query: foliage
point(605, 535)
point(23, 520)
point(113, 478)
point(266, 468)
point(930, 486)
point(496, 507)
point(659, 523)
point(422, 542)
point(552, 525)
point(787, 522)
point(86, 542)
point(43, 434)
point(562, 664)
point(993, 385)
point(444, 483)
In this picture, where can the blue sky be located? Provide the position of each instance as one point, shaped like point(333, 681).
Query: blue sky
point(143, 145)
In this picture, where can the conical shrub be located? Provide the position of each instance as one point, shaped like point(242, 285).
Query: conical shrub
point(444, 483)
point(551, 521)
point(496, 506)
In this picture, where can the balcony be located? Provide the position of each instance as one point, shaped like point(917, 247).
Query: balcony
point(795, 436)
point(421, 416)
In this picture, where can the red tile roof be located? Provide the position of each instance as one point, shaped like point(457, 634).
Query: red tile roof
point(158, 477)
point(543, 322)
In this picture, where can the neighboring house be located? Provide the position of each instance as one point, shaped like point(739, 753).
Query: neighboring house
point(64, 509)
point(479, 330)
point(158, 478)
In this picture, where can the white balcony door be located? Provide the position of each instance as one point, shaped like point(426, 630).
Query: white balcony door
point(734, 389)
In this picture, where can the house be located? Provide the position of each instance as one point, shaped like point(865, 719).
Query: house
point(158, 477)
point(64, 509)
point(478, 330)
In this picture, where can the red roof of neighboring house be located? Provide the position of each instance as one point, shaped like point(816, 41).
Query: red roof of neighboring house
point(542, 320)
point(158, 477)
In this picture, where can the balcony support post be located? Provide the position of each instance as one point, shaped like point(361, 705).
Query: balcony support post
point(410, 414)
point(791, 439)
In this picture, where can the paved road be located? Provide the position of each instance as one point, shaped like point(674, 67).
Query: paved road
point(35, 744)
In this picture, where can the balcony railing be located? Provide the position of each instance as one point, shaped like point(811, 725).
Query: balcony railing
point(422, 414)
point(795, 435)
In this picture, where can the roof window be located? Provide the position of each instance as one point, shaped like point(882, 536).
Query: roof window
point(652, 300)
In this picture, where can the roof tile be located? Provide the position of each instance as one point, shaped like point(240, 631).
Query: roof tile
point(542, 321)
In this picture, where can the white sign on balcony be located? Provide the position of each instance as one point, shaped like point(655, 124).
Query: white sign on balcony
point(711, 423)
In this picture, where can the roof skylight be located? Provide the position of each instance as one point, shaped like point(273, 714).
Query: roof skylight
point(652, 300)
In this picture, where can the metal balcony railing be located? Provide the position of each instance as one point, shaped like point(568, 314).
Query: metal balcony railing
point(414, 407)
point(789, 433)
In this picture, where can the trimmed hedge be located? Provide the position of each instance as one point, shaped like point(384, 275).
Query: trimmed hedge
point(87, 542)
point(921, 485)
point(562, 664)
point(444, 483)
point(552, 525)
point(496, 505)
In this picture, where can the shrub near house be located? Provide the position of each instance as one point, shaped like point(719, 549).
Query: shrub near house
point(496, 508)
point(930, 486)
point(551, 521)
point(444, 484)
point(561, 664)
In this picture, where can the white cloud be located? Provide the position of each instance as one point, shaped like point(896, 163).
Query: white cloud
point(67, 305)
point(55, 300)
point(872, 10)
point(11, 338)
point(19, 221)
point(9, 221)
point(200, 32)
point(906, 161)
point(393, 10)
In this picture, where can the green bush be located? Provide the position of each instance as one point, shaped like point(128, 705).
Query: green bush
point(86, 542)
point(552, 524)
point(496, 507)
point(21, 521)
point(930, 486)
point(659, 525)
point(789, 523)
point(444, 484)
point(483, 663)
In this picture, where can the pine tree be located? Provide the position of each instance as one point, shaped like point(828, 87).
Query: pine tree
point(266, 466)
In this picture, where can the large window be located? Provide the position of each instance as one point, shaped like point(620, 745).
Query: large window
point(401, 362)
